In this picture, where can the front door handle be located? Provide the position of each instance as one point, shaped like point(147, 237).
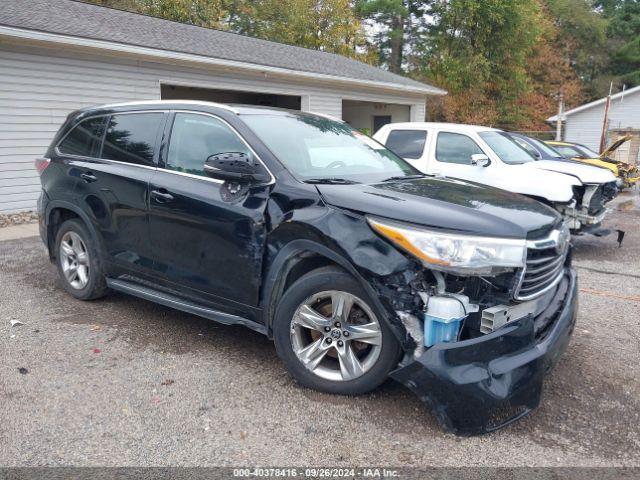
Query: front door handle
point(88, 177)
point(161, 196)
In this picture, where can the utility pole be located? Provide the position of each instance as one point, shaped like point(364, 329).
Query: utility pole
point(559, 117)
point(605, 121)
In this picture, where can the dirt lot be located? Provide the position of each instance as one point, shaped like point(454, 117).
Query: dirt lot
point(122, 381)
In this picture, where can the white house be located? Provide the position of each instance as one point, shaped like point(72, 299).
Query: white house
point(60, 55)
point(583, 124)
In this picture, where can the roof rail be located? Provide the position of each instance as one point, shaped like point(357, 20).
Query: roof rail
point(163, 102)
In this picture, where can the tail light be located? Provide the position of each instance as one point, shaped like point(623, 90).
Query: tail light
point(41, 164)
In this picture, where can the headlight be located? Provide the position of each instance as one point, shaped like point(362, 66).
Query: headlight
point(460, 254)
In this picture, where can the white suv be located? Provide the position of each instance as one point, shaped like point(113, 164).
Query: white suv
point(489, 156)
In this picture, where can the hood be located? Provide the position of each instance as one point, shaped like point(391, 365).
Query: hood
point(447, 204)
point(615, 145)
point(584, 173)
point(526, 179)
point(596, 162)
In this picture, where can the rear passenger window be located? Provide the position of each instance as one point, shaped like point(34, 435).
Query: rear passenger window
point(455, 148)
point(194, 138)
point(84, 139)
point(131, 137)
point(407, 143)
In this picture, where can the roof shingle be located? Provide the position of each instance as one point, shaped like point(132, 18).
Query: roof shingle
point(73, 18)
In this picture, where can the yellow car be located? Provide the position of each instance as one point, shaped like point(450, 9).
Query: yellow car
point(627, 174)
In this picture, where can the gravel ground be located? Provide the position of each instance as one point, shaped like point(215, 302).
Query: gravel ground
point(124, 382)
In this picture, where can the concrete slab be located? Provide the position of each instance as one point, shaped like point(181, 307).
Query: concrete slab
point(19, 231)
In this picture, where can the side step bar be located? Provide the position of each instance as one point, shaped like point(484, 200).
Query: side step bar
point(178, 303)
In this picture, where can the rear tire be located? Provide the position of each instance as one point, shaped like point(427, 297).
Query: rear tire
point(78, 262)
point(309, 332)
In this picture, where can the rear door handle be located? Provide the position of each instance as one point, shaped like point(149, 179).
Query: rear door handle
point(161, 196)
point(88, 177)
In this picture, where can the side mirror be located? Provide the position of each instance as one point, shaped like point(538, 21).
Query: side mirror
point(480, 159)
point(235, 167)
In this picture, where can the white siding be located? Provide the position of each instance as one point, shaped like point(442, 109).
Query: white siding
point(419, 112)
point(40, 86)
point(328, 103)
point(586, 126)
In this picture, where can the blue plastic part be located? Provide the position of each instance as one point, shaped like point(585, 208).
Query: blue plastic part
point(438, 330)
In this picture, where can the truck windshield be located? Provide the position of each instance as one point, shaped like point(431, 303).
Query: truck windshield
point(587, 152)
point(567, 151)
point(544, 147)
point(505, 148)
point(317, 149)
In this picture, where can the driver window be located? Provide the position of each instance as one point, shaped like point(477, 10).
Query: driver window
point(194, 138)
point(455, 148)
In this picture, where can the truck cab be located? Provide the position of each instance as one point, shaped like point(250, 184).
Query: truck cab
point(489, 156)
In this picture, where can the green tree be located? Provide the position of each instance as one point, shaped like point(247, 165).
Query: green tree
point(328, 25)
point(626, 63)
point(550, 74)
point(479, 52)
point(623, 34)
point(398, 25)
point(204, 13)
point(130, 5)
point(583, 41)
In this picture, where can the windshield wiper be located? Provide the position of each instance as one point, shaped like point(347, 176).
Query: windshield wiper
point(406, 177)
point(331, 181)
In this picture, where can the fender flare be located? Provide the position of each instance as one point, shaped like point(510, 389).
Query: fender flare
point(281, 266)
point(53, 204)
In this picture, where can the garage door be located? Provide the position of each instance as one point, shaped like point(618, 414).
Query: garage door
point(175, 92)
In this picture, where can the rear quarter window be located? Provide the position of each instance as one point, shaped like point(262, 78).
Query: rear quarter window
point(84, 139)
point(407, 143)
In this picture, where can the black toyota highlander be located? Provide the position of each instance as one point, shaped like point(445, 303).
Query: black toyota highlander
point(297, 226)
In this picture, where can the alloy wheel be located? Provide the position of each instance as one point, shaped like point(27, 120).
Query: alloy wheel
point(74, 260)
point(336, 335)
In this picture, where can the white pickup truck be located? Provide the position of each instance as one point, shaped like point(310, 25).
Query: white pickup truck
point(489, 156)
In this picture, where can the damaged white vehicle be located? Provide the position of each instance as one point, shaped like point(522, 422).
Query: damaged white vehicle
point(489, 156)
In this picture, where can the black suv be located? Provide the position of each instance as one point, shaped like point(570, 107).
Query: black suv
point(299, 227)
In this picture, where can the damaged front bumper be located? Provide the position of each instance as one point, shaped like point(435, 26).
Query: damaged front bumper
point(578, 220)
point(479, 385)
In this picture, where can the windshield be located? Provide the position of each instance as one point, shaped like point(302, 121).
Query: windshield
point(507, 149)
point(544, 147)
point(528, 146)
point(568, 152)
point(314, 148)
point(587, 152)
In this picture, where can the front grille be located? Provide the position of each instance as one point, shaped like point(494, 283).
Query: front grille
point(544, 265)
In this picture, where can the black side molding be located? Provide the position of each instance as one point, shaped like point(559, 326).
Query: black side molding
point(182, 304)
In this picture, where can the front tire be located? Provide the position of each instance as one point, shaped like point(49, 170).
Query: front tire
point(330, 336)
point(78, 262)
